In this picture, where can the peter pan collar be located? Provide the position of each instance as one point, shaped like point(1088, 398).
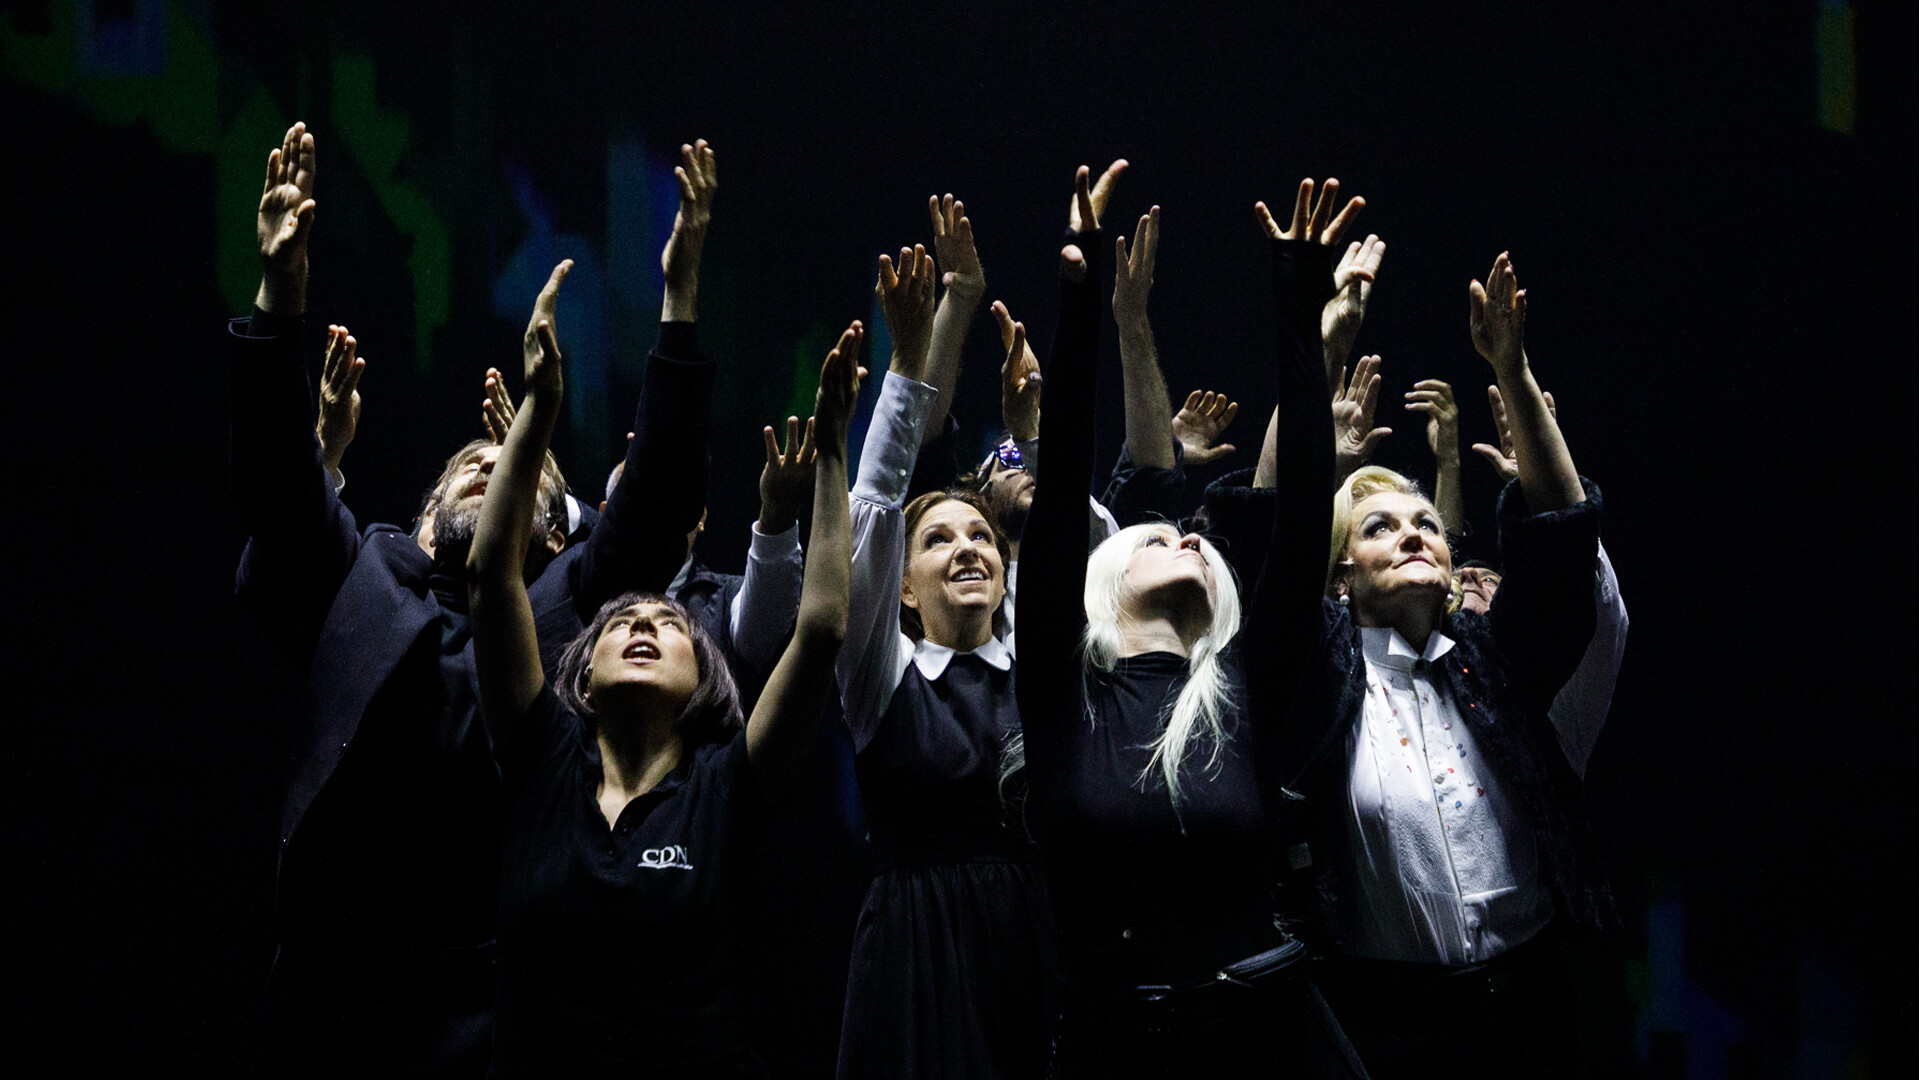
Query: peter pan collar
point(932, 659)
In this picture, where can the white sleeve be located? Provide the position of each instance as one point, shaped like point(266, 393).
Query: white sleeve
point(876, 653)
point(1580, 708)
point(761, 616)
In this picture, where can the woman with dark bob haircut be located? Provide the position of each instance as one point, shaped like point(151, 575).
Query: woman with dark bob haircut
point(632, 789)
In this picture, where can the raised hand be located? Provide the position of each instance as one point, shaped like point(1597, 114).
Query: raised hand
point(1502, 457)
point(1199, 422)
point(839, 391)
point(1090, 202)
point(1019, 379)
point(1133, 274)
point(906, 303)
point(339, 397)
point(699, 177)
point(1497, 315)
point(1354, 436)
point(787, 479)
point(953, 247)
point(285, 223)
point(1314, 219)
point(540, 347)
point(1353, 282)
point(496, 410)
point(1435, 398)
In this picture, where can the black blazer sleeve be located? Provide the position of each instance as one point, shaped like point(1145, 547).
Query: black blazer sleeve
point(302, 539)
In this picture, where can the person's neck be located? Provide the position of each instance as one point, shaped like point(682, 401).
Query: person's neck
point(1159, 631)
point(963, 634)
point(450, 558)
point(635, 755)
point(1414, 622)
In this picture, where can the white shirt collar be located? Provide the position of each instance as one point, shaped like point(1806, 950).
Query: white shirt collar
point(932, 659)
point(1384, 645)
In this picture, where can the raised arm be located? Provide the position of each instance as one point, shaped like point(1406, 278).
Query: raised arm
point(339, 401)
point(1341, 317)
point(506, 648)
point(965, 284)
point(640, 541)
point(763, 610)
point(1199, 424)
point(1435, 398)
point(1284, 622)
point(1498, 319)
point(780, 731)
point(302, 539)
point(1053, 549)
point(1501, 456)
point(1149, 426)
point(870, 665)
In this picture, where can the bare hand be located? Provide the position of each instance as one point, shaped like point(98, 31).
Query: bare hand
point(1311, 216)
point(540, 347)
point(1133, 274)
point(953, 247)
point(1354, 436)
point(1435, 398)
point(1019, 379)
point(1353, 282)
point(906, 303)
point(699, 178)
point(339, 396)
point(286, 204)
point(1497, 315)
point(1090, 203)
point(1199, 422)
point(839, 391)
point(787, 479)
point(497, 410)
point(1502, 457)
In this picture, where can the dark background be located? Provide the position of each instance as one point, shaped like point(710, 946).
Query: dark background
point(1712, 207)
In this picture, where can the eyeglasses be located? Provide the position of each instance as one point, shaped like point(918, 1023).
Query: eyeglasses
point(1009, 454)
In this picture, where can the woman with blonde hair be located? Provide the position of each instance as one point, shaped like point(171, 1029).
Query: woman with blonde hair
point(1139, 748)
point(1449, 843)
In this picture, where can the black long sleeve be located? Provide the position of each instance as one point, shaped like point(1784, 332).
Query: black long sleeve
point(1284, 622)
point(640, 541)
point(303, 540)
point(1053, 549)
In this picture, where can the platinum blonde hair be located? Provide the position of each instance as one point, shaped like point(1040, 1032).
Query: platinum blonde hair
point(1196, 719)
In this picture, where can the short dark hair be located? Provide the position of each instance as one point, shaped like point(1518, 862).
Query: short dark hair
point(712, 712)
point(917, 509)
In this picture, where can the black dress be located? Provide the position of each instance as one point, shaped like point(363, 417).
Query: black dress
point(952, 971)
point(1171, 936)
point(618, 946)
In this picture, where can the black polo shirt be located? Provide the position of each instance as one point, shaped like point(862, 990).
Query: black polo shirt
point(618, 947)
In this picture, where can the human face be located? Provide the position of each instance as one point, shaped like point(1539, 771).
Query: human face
point(644, 652)
point(1010, 493)
point(1398, 554)
point(468, 484)
point(953, 570)
point(1168, 569)
point(1477, 586)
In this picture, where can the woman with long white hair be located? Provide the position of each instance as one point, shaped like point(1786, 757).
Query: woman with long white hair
point(1138, 744)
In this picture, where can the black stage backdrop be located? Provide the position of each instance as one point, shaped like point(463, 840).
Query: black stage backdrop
point(1712, 207)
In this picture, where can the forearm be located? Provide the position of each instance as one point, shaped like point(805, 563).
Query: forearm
point(1149, 424)
point(506, 645)
point(951, 321)
point(1446, 494)
point(679, 303)
point(1267, 472)
point(764, 609)
point(282, 293)
point(1547, 474)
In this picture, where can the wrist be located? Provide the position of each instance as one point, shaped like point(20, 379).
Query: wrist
point(774, 521)
point(679, 305)
point(282, 293)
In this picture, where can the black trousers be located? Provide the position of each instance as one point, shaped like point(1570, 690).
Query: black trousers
point(1276, 1026)
point(1513, 1016)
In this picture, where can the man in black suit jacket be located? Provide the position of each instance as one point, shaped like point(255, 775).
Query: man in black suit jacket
point(388, 862)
